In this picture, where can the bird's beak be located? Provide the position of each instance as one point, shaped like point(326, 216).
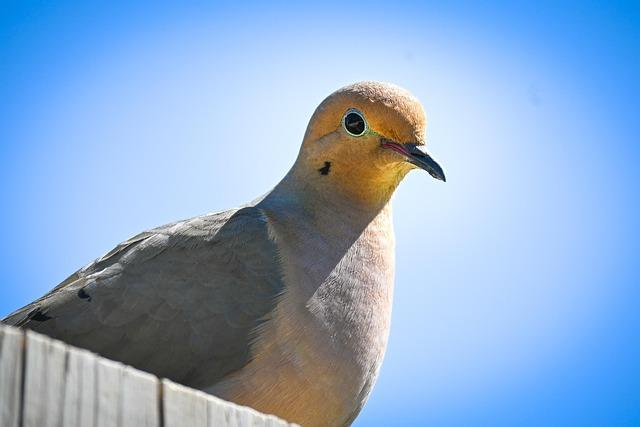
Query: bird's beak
point(417, 156)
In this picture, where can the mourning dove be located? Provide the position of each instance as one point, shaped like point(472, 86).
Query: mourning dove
point(282, 305)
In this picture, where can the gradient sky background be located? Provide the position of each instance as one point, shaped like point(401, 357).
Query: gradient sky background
point(518, 281)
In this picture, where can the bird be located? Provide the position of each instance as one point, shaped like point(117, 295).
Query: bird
point(283, 304)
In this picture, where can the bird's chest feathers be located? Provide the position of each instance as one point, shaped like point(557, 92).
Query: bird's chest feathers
point(328, 333)
point(352, 306)
point(335, 322)
point(341, 282)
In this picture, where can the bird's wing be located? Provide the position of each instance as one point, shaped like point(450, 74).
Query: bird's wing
point(182, 301)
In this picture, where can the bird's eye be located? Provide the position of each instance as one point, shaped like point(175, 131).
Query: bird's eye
point(354, 123)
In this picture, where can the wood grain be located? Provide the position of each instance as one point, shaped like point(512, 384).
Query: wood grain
point(11, 343)
point(46, 383)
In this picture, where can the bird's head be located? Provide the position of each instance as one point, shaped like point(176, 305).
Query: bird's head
point(363, 139)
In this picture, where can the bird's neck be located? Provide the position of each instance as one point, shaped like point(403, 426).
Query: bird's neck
point(344, 183)
point(323, 201)
point(318, 229)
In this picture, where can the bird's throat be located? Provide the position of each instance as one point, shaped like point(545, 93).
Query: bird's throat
point(347, 186)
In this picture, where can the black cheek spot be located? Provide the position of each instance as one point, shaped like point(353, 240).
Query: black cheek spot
point(84, 295)
point(38, 315)
point(325, 169)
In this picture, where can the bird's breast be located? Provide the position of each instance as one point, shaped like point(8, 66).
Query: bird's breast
point(317, 358)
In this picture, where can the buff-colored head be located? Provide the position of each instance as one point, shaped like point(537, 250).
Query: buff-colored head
point(363, 139)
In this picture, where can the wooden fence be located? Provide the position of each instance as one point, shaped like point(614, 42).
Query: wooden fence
point(46, 383)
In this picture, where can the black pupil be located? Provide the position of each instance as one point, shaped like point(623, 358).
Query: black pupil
point(354, 123)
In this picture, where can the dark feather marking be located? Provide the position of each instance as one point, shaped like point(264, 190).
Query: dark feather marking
point(325, 169)
point(38, 315)
point(84, 295)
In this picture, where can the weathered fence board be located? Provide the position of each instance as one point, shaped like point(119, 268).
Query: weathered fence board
point(183, 405)
point(80, 392)
point(208, 411)
point(11, 343)
point(44, 382)
point(140, 392)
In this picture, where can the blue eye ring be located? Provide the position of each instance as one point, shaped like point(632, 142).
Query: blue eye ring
point(354, 122)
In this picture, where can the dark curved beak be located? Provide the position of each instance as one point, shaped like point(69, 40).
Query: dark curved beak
point(417, 156)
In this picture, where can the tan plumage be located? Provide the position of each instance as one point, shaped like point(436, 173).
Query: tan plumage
point(283, 305)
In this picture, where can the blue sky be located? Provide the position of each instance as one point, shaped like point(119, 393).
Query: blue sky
point(517, 283)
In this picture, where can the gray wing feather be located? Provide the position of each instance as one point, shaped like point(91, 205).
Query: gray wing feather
point(181, 301)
